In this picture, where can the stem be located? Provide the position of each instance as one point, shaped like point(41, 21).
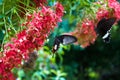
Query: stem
point(11, 24)
point(6, 33)
point(28, 2)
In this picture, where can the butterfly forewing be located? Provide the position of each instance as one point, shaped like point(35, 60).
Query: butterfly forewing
point(103, 28)
point(108, 23)
point(104, 25)
point(99, 26)
point(63, 39)
point(68, 39)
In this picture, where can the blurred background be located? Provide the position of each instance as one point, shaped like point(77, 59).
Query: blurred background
point(98, 61)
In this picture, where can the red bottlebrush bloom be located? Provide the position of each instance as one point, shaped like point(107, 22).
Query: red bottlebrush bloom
point(38, 26)
point(85, 33)
point(115, 5)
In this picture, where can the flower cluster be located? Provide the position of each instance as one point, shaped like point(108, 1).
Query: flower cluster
point(110, 10)
point(85, 33)
point(102, 13)
point(37, 28)
point(115, 5)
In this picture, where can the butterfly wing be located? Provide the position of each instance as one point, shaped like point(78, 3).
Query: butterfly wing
point(63, 39)
point(68, 39)
point(99, 29)
point(56, 45)
point(104, 27)
point(106, 38)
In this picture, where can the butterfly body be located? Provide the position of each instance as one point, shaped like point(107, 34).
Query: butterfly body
point(63, 39)
point(103, 28)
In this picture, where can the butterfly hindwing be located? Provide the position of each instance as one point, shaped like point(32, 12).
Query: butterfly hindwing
point(56, 45)
point(106, 39)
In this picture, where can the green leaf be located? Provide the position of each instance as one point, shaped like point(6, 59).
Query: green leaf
point(1, 1)
point(2, 15)
point(1, 35)
point(21, 73)
point(1, 23)
point(36, 76)
point(63, 74)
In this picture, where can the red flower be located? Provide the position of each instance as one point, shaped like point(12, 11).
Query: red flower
point(112, 3)
point(59, 9)
point(115, 5)
point(102, 13)
point(5, 73)
point(85, 33)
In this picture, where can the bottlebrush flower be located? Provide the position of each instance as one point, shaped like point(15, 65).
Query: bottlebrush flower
point(85, 33)
point(37, 28)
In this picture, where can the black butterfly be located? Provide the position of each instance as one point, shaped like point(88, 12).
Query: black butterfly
point(103, 28)
point(63, 39)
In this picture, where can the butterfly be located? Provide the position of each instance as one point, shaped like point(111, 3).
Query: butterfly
point(103, 28)
point(63, 39)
